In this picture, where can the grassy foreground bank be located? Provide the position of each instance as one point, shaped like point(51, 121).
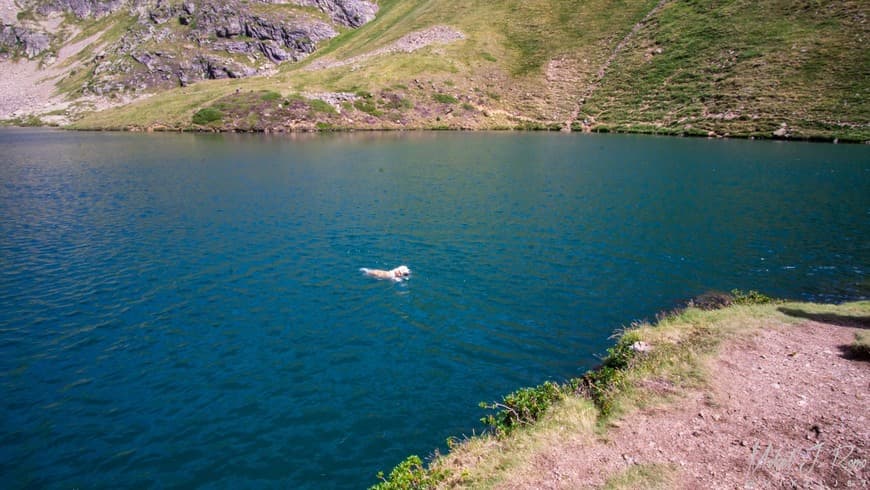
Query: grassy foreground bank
point(675, 352)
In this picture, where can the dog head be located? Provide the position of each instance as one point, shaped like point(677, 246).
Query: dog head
point(401, 271)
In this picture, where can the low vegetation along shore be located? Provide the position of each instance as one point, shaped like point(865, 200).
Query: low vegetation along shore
point(734, 391)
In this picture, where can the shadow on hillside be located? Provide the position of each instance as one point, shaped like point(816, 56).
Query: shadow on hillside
point(830, 318)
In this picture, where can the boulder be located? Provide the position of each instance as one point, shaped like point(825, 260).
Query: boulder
point(24, 40)
point(273, 51)
point(352, 13)
point(81, 8)
point(783, 131)
point(641, 347)
point(230, 27)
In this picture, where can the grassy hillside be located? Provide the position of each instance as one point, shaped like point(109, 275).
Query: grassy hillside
point(678, 67)
point(744, 67)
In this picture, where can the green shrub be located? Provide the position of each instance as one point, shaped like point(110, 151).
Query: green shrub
point(270, 95)
point(467, 106)
point(861, 347)
point(207, 115)
point(367, 106)
point(410, 474)
point(602, 384)
point(523, 406)
point(397, 102)
point(318, 105)
point(25, 121)
point(750, 297)
point(445, 98)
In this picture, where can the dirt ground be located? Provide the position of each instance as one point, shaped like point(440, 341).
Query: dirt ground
point(786, 409)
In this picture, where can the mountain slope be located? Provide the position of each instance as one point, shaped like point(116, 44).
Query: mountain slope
point(777, 68)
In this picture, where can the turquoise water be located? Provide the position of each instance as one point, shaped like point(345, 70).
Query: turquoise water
point(185, 311)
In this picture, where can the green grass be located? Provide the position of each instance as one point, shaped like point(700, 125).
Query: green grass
point(751, 65)
point(318, 105)
point(368, 106)
point(445, 98)
point(270, 95)
point(26, 121)
point(206, 116)
point(646, 476)
point(171, 109)
point(26, 15)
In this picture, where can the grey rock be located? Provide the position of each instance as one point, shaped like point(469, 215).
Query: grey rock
point(81, 8)
point(783, 131)
point(219, 68)
point(161, 13)
point(231, 27)
point(143, 58)
point(301, 36)
point(208, 30)
point(641, 347)
point(237, 47)
point(29, 42)
point(274, 52)
point(352, 13)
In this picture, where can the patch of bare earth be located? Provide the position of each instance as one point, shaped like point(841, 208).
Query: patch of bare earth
point(786, 409)
point(407, 44)
point(8, 12)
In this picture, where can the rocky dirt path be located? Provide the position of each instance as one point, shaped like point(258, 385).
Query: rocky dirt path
point(788, 408)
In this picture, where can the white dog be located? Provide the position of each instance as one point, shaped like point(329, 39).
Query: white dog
point(398, 274)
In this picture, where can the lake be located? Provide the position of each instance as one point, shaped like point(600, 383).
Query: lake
point(183, 311)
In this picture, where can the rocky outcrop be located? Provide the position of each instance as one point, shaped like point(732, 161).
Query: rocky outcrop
point(220, 30)
point(279, 38)
point(25, 41)
point(178, 42)
point(352, 13)
point(80, 8)
point(220, 39)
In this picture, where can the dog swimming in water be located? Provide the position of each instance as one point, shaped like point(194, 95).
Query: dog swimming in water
point(398, 274)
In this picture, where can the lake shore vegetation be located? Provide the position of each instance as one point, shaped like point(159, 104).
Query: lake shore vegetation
point(653, 368)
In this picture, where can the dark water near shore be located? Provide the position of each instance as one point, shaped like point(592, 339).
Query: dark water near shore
point(186, 310)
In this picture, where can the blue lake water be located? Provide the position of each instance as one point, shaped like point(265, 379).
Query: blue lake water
point(183, 311)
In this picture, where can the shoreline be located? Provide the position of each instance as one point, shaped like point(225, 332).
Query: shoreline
point(518, 128)
point(733, 390)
